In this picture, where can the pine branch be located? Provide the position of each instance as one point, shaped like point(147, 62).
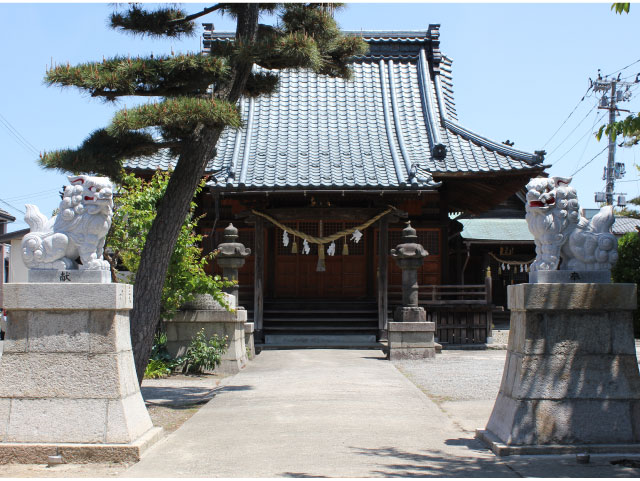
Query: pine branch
point(103, 153)
point(165, 21)
point(191, 17)
point(261, 83)
point(180, 115)
point(167, 76)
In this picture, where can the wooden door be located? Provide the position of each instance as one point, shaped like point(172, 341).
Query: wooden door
point(296, 275)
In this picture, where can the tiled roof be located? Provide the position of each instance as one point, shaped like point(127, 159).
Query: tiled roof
point(384, 129)
point(495, 229)
point(623, 225)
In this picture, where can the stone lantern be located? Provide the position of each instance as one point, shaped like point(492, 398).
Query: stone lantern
point(231, 258)
point(410, 335)
point(409, 256)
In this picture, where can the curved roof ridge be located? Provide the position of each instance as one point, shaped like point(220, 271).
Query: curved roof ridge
point(396, 119)
point(535, 158)
point(387, 124)
point(245, 157)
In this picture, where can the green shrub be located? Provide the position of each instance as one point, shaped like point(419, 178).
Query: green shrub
point(203, 354)
point(627, 269)
point(158, 369)
point(161, 363)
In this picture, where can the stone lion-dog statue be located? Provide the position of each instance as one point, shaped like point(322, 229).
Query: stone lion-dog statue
point(78, 231)
point(564, 239)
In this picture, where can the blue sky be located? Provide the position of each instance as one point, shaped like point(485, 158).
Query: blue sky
point(519, 70)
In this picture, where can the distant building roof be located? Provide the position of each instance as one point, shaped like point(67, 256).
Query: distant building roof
point(9, 236)
point(5, 216)
point(623, 225)
point(495, 230)
point(393, 126)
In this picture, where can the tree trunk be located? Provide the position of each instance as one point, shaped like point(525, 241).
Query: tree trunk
point(161, 239)
point(172, 211)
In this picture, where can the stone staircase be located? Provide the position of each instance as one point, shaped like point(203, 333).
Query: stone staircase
point(290, 323)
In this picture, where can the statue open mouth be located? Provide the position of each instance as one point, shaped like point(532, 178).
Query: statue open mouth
point(539, 203)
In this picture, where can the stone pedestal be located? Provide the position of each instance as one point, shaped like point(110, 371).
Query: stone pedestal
point(68, 384)
point(571, 381)
point(214, 319)
point(249, 342)
point(411, 340)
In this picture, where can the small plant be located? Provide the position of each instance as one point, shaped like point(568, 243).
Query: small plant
point(203, 354)
point(161, 364)
point(157, 369)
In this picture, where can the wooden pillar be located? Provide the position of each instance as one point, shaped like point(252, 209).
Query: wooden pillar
point(258, 279)
point(383, 276)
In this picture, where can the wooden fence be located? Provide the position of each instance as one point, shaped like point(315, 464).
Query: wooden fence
point(462, 313)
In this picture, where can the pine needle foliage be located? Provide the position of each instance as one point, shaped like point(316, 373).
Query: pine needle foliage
point(180, 116)
point(163, 22)
point(101, 152)
point(167, 76)
point(307, 36)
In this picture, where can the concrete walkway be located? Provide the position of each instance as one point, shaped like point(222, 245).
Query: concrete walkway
point(335, 413)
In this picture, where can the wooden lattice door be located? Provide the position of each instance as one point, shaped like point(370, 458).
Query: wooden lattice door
point(296, 275)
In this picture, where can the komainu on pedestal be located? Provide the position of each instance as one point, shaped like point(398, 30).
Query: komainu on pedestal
point(570, 382)
point(68, 384)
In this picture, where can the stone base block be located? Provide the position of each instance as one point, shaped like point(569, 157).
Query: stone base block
point(77, 276)
point(501, 449)
point(67, 375)
point(249, 342)
point(411, 340)
point(568, 277)
point(571, 376)
point(186, 324)
point(38, 453)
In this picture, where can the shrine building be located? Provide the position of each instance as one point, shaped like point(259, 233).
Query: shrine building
point(324, 155)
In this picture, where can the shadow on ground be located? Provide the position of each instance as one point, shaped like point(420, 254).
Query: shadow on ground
point(182, 397)
point(393, 462)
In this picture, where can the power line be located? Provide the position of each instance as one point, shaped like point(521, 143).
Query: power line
point(586, 144)
point(592, 159)
point(623, 68)
point(574, 129)
point(32, 195)
point(590, 131)
point(568, 117)
point(18, 137)
point(12, 206)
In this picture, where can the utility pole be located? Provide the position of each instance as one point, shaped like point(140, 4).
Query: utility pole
point(609, 173)
point(614, 170)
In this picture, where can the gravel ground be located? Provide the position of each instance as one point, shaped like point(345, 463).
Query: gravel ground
point(457, 375)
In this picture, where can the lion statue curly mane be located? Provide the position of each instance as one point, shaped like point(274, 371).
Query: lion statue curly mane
point(78, 231)
point(564, 239)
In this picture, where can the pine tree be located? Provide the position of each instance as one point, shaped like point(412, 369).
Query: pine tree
point(195, 98)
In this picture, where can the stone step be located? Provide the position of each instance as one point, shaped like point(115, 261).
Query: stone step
point(315, 340)
point(320, 328)
point(332, 320)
